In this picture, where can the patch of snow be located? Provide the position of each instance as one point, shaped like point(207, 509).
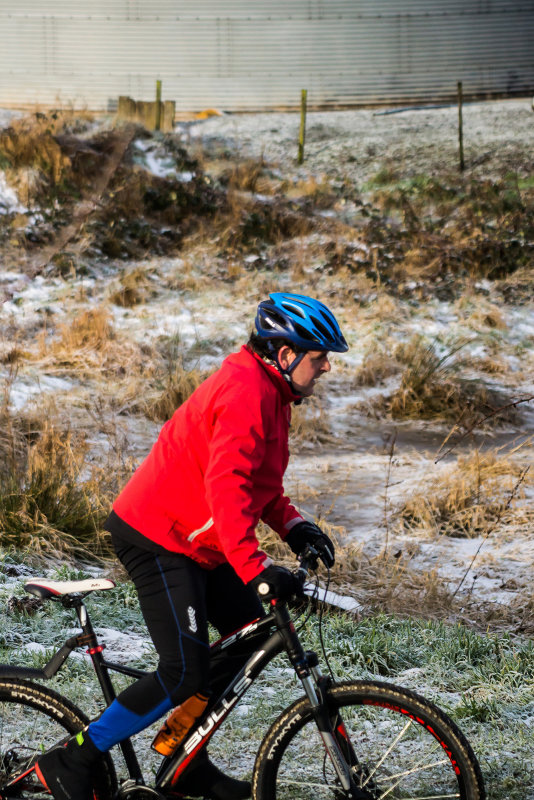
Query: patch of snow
point(24, 390)
point(34, 647)
point(9, 202)
point(11, 277)
point(155, 160)
point(123, 647)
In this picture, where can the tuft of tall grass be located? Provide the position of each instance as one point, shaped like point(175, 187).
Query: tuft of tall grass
point(134, 287)
point(175, 388)
point(467, 499)
point(244, 175)
point(310, 425)
point(51, 502)
point(29, 143)
point(432, 388)
point(89, 345)
point(378, 364)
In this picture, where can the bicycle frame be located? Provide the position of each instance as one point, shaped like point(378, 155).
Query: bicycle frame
point(306, 667)
point(283, 638)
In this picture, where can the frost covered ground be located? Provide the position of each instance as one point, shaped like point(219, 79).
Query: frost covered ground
point(361, 142)
point(358, 473)
point(351, 478)
point(483, 682)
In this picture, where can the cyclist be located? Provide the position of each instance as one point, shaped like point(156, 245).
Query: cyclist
point(184, 528)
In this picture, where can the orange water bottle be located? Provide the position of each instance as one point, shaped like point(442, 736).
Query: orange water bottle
point(179, 724)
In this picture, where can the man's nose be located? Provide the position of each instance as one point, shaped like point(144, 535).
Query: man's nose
point(326, 366)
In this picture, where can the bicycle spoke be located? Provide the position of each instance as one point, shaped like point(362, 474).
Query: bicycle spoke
point(412, 771)
point(389, 751)
point(311, 784)
point(428, 796)
point(399, 777)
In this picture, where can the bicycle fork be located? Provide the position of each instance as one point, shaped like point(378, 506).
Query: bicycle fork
point(315, 685)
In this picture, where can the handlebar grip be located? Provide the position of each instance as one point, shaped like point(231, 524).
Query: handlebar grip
point(309, 559)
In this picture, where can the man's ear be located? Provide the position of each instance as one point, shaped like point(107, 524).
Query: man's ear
point(286, 356)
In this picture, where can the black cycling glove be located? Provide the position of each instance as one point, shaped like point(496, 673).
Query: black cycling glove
point(277, 582)
point(304, 533)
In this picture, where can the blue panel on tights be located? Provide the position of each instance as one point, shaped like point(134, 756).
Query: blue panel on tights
point(117, 723)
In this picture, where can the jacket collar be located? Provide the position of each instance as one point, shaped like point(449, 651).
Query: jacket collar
point(287, 393)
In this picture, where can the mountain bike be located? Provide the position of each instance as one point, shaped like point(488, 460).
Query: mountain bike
point(365, 740)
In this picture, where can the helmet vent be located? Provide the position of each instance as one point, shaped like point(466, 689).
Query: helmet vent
point(275, 319)
point(326, 333)
point(303, 332)
point(294, 309)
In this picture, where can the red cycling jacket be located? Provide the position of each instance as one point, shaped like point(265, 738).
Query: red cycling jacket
point(217, 468)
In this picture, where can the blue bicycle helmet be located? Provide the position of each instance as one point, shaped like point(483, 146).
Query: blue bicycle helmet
point(300, 320)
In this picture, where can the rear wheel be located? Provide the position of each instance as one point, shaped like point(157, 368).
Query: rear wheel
point(32, 720)
point(398, 746)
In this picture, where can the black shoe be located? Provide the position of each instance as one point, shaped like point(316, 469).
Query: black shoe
point(66, 771)
point(204, 779)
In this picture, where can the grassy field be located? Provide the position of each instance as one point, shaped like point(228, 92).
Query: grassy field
point(484, 682)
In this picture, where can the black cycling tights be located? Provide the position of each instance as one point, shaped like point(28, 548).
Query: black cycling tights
point(178, 598)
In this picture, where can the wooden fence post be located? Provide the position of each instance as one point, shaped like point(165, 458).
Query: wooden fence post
point(302, 132)
point(158, 106)
point(460, 127)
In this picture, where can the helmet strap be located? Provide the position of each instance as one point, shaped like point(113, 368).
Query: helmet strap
point(286, 373)
point(296, 362)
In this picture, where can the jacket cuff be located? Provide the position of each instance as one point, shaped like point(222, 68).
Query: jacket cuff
point(255, 568)
point(289, 525)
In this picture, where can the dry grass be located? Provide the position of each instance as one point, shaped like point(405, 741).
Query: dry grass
point(432, 388)
point(179, 384)
point(248, 224)
point(132, 213)
point(317, 191)
point(244, 176)
point(446, 227)
point(433, 385)
point(245, 221)
point(384, 582)
point(378, 364)
point(466, 499)
point(29, 144)
point(310, 425)
point(134, 287)
point(90, 346)
point(489, 316)
point(52, 502)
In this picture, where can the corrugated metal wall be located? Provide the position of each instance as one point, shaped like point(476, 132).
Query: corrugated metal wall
point(252, 54)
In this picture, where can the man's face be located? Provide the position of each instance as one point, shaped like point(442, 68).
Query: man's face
point(308, 370)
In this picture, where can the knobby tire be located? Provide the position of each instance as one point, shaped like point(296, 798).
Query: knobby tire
point(34, 718)
point(405, 747)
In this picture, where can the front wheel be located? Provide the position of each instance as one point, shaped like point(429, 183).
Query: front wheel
point(399, 746)
point(32, 720)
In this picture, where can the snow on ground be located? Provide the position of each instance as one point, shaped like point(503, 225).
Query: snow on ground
point(361, 142)
point(9, 202)
point(345, 478)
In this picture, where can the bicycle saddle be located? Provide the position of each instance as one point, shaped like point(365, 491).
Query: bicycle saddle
point(43, 588)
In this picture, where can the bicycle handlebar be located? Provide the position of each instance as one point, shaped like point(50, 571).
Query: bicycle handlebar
point(309, 560)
